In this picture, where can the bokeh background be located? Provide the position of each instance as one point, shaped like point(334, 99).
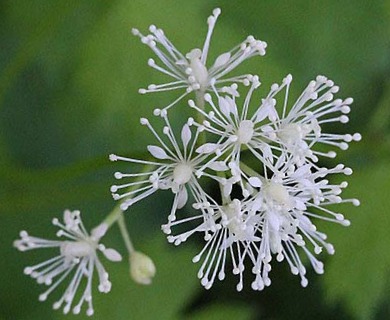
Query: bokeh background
point(69, 75)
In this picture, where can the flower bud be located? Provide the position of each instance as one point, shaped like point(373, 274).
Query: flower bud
point(142, 268)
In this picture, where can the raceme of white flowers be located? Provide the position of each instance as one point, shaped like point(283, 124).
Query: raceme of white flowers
point(246, 174)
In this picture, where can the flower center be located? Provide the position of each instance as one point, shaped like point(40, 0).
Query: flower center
point(278, 193)
point(293, 133)
point(182, 173)
point(236, 222)
point(76, 249)
point(199, 70)
point(245, 131)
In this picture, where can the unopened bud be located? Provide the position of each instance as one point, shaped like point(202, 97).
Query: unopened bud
point(142, 268)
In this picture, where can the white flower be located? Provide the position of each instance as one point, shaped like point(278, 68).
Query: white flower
point(190, 71)
point(174, 169)
point(287, 202)
point(77, 254)
point(267, 134)
point(234, 232)
point(298, 128)
point(236, 131)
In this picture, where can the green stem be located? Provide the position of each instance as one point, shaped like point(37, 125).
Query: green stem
point(116, 215)
point(249, 171)
point(113, 216)
point(199, 100)
point(125, 234)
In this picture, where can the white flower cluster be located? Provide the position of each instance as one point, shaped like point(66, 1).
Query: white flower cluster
point(264, 160)
point(247, 172)
point(77, 255)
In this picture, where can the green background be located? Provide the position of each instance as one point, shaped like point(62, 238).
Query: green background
point(69, 75)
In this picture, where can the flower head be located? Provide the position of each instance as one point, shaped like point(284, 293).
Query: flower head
point(298, 129)
point(77, 255)
point(270, 133)
point(174, 168)
point(289, 202)
point(235, 232)
point(236, 131)
point(190, 71)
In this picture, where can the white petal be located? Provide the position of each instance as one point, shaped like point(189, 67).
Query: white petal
point(302, 172)
point(255, 182)
point(222, 59)
point(231, 90)
point(274, 222)
point(112, 254)
point(185, 135)
point(68, 218)
point(273, 115)
point(256, 205)
point(182, 198)
point(232, 106)
point(267, 152)
point(267, 109)
point(275, 242)
point(261, 113)
point(157, 152)
point(227, 189)
point(182, 62)
point(300, 205)
point(207, 148)
point(305, 222)
point(224, 106)
point(218, 166)
point(99, 231)
point(227, 243)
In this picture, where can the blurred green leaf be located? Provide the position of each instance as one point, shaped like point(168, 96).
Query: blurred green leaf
point(32, 41)
point(359, 272)
point(380, 121)
point(226, 312)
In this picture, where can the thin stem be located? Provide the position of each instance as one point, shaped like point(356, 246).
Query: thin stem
point(113, 216)
point(125, 234)
point(199, 100)
point(225, 200)
point(116, 215)
point(249, 171)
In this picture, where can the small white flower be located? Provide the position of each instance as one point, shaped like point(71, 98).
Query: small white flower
point(236, 131)
point(190, 71)
point(298, 128)
point(234, 231)
point(175, 168)
point(287, 202)
point(77, 254)
point(269, 136)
